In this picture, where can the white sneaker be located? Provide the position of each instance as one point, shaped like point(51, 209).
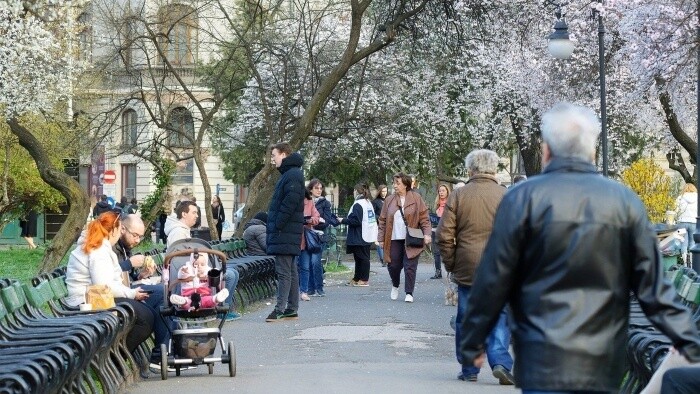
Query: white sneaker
point(221, 296)
point(394, 293)
point(409, 298)
point(178, 299)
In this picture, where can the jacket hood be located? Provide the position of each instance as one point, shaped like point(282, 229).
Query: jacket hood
point(254, 222)
point(171, 223)
point(291, 161)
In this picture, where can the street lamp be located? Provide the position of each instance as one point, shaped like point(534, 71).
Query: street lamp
point(561, 47)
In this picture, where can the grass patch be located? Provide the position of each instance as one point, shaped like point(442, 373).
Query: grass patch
point(335, 267)
point(20, 264)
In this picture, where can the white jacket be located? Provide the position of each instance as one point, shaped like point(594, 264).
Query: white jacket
point(100, 267)
point(175, 230)
point(687, 207)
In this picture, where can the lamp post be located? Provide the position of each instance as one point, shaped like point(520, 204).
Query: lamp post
point(561, 47)
point(695, 250)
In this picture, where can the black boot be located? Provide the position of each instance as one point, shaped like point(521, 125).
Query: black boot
point(438, 275)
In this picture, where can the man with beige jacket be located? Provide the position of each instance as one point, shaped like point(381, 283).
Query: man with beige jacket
point(464, 228)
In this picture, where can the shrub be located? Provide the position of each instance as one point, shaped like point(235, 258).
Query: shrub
point(653, 186)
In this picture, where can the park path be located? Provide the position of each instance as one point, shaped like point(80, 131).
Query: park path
point(354, 339)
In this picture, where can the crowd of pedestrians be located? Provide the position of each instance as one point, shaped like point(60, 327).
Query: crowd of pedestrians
point(552, 259)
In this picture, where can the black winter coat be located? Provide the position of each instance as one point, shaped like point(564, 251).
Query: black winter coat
point(323, 207)
point(285, 215)
point(566, 250)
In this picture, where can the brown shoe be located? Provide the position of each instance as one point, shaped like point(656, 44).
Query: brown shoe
point(361, 283)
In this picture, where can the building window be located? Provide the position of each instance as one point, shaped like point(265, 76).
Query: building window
point(84, 30)
point(129, 180)
point(184, 172)
point(129, 128)
point(179, 29)
point(180, 128)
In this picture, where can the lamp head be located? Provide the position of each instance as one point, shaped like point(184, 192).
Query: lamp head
point(560, 46)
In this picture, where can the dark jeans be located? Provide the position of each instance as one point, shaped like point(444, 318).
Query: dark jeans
point(681, 381)
point(287, 283)
point(361, 254)
point(399, 261)
point(143, 326)
point(436, 254)
point(154, 301)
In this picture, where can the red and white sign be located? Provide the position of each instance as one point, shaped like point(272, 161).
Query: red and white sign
point(109, 176)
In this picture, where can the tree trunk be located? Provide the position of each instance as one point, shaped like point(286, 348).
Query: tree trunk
point(676, 130)
point(76, 198)
point(259, 194)
point(528, 143)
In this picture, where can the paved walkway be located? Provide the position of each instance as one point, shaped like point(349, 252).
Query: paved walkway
point(354, 339)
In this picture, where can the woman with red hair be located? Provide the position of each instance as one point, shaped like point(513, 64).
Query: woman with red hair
point(94, 263)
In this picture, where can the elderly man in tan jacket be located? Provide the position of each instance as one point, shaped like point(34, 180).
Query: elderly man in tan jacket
point(464, 228)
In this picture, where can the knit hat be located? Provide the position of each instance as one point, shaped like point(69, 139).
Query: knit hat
point(262, 216)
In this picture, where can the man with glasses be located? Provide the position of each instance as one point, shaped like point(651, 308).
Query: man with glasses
point(132, 233)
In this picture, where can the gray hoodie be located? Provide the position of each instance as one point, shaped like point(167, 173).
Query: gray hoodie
point(175, 230)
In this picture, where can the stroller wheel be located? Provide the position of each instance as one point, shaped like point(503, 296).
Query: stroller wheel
point(163, 362)
point(232, 360)
point(211, 368)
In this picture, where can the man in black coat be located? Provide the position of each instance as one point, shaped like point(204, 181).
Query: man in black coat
point(567, 248)
point(285, 222)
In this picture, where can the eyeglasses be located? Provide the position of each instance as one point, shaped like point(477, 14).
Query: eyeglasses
point(135, 235)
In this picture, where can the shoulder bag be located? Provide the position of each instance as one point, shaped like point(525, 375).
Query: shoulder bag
point(314, 240)
point(414, 236)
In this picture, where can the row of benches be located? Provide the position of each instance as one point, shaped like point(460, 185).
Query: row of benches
point(48, 347)
point(647, 347)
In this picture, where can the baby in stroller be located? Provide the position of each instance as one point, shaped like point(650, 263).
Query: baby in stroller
point(195, 292)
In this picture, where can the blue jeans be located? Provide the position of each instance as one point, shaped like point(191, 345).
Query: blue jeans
point(688, 241)
point(231, 277)
point(161, 333)
point(304, 265)
point(496, 344)
point(316, 276)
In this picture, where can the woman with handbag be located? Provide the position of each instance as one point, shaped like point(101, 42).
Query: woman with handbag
point(323, 207)
point(403, 220)
point(362, 232)
point(94, 263)
point(311, 218)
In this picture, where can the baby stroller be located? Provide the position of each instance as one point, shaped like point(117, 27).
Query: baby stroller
point(193, 341)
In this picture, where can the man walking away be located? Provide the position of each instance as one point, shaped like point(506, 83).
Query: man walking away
point(285, 221)
point(567, 248)
point(464, 228)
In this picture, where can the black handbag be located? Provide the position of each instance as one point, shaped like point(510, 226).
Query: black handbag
point(414, 236)
point(314, 240)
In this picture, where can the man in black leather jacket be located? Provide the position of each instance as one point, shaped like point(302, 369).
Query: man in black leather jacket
point(567, 248)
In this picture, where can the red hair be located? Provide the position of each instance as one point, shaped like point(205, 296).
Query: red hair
point(99, 229)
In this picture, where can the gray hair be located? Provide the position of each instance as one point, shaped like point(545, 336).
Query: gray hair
point(570, 131)
point(482, 161)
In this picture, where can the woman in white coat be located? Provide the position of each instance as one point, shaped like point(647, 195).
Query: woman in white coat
point(94, 263)
point(687, 211)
